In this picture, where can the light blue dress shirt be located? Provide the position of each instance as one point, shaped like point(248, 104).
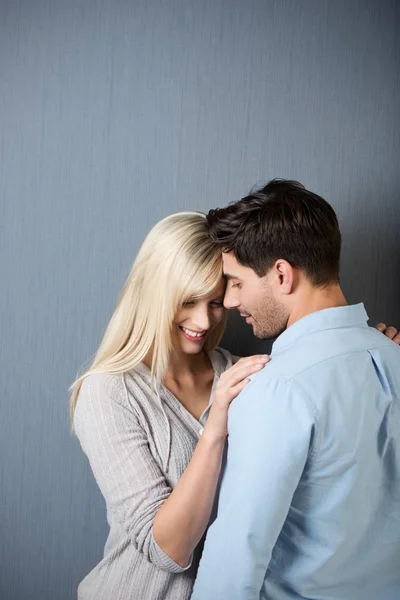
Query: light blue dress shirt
point(310, 498)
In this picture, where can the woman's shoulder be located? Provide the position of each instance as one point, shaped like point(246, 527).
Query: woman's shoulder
point(105, 392)
point(100, 395)
point(102, 385)
point(224, 359)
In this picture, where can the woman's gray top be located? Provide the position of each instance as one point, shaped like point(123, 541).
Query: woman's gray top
point(138, 444)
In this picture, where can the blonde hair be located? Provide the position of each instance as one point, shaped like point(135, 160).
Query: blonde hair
point(176, 262)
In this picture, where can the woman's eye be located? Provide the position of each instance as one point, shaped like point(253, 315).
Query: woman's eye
point(188, 303)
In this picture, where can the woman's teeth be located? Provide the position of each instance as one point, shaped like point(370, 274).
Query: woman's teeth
point(193, 334)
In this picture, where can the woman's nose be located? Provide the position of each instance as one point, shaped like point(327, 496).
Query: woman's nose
point(201, 319)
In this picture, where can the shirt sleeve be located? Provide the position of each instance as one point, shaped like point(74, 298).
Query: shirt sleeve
point(271, 428)
point(132, 483)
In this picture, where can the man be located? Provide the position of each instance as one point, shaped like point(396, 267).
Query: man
point(310, 498)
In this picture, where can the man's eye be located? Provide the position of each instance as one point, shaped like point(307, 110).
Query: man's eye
point(217, 304)
point(236, 285)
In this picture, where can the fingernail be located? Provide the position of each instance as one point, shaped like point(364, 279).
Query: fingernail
point(264, 358)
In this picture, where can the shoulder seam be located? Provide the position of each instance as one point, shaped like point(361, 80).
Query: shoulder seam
point(320, 362)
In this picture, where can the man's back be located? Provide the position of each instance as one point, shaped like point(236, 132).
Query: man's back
point(310, 502)
point(344, 520)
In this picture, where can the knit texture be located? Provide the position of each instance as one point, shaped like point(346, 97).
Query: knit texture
point(138, 443)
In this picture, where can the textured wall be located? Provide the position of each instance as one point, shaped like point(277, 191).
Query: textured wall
point(116, 113)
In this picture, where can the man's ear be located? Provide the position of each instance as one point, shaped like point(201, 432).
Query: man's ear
point(284, 276)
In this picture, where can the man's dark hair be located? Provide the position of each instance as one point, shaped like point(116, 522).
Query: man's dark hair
point(281, 220)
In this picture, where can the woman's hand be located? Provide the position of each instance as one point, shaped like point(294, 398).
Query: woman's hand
point(391, 332)
point(230, 384)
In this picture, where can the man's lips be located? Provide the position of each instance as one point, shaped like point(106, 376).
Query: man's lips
point(245, 316)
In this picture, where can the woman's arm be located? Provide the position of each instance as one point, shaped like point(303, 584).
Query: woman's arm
point(133, 485)
point(183, 518)
point(163, 524)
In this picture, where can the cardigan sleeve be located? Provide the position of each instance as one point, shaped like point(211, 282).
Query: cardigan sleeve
point(131, 481)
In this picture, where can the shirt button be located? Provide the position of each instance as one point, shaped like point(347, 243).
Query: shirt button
point(201, 430)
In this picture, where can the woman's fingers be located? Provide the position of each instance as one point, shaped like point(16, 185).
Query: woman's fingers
point(247, 363)
point(247, 370)
point(251, 359)
point(242, 369)
point(396, 338)
point(240, 372)
point(391, 332)
point(233, 381)
point(239, 387)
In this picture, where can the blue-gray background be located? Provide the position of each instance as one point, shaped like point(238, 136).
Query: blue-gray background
point(116, 113)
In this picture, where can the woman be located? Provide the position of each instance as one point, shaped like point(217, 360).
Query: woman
point(151, 414)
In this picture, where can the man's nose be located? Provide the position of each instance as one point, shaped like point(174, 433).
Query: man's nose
point(230, 300)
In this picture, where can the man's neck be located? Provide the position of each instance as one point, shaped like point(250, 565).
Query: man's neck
point(313, 299)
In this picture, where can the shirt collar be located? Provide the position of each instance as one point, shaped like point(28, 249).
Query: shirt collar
point(329, 318)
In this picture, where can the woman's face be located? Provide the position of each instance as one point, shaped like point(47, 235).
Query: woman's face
point(194, 321)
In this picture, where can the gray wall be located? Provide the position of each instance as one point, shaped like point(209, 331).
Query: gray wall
point(114, 114)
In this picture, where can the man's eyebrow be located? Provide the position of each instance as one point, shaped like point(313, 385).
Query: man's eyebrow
point(230, 276)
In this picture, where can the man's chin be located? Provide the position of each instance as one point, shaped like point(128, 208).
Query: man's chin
point(259, 334)
point(266, 335)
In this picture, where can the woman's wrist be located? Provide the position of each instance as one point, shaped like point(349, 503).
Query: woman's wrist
point(213, 433)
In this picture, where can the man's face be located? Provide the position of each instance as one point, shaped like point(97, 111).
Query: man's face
point(256, 298)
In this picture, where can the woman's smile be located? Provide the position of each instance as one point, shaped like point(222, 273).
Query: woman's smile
point(193, 336)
